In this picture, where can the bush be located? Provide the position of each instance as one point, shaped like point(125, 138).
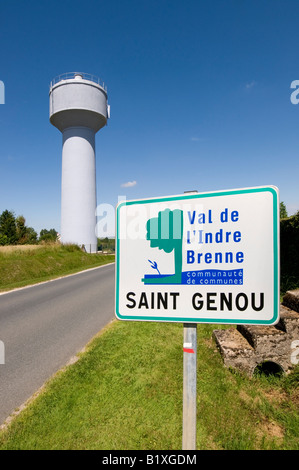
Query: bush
point(48, 235)
point(289, 249)
point(70, 247)
point(3, 240)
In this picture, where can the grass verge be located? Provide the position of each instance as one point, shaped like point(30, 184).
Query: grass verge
point(125, 392)
point(21, 266)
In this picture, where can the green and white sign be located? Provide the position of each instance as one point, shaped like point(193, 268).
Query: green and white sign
point(200, 257)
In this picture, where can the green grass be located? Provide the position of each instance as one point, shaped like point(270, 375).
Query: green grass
point(125, 392)
point(288, 283)
point(21, 266)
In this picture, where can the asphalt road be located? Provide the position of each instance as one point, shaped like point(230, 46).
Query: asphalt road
point(44, 326)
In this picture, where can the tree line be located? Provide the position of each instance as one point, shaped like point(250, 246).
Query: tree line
point(14, 231)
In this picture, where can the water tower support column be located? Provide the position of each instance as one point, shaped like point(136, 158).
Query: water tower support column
point(78, 188)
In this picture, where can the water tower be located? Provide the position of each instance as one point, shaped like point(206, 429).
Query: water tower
point(78, 108)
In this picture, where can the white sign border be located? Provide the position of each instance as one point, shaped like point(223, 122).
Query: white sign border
point(276, 253)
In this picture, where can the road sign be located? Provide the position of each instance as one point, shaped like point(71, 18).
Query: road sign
point(201, 257)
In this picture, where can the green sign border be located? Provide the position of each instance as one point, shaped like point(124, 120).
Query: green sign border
point(276, 278)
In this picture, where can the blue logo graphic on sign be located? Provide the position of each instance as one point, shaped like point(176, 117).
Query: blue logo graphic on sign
point(166, 233)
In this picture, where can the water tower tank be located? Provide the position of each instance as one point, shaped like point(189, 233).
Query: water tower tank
point(78, 108)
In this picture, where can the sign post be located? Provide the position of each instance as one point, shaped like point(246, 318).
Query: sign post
point(189, 386)
point(189, 382)
point(199, 258)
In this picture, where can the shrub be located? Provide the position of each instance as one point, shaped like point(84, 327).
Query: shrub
point(289, 248)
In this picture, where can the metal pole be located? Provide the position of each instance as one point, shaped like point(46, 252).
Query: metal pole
point(189, 386)
point(189, 383)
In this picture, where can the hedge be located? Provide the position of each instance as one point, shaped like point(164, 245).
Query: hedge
point(289, 250)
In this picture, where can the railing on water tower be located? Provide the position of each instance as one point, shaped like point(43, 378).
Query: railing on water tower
point(73, 75)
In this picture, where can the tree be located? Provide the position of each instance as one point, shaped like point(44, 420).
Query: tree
point(106, 244)
point(14, 231)
point(21, 229)
point(48, 235)
point(31, 236)
point(3, 240)
point(8, 230)
point(289, 253)
point(166, 233)
point(283, 211)
point(25, 235)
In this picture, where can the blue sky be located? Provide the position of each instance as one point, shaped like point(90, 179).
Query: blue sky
point(199, 94)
